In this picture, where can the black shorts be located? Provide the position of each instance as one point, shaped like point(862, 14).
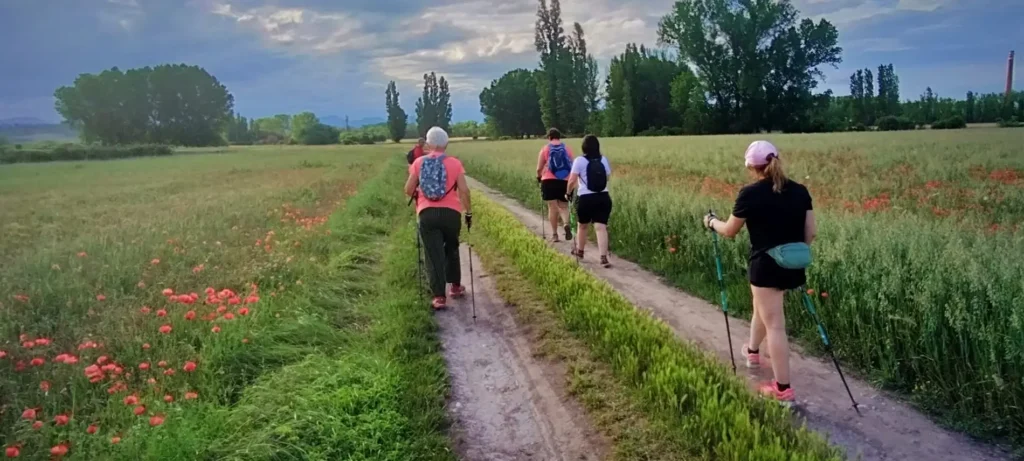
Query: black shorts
point(594, 208)
point(764, 272)
point(553, 189)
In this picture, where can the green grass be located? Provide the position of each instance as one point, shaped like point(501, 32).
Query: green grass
point(680, 386)
point(262, 217)
point(916, 230)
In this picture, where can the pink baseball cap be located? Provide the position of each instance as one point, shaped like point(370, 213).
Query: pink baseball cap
point(760, 153)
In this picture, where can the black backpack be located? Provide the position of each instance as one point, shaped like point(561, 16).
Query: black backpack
point(411, 156)
point(597, 176)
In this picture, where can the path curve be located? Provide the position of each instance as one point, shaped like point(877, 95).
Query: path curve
point(505, 404)
point(889, 429)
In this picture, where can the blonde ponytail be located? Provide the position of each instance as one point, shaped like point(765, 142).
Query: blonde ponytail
point(774, 172)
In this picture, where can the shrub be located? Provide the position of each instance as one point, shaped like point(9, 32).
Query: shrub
point(69, 152)
point(859, 127)
point(1012, 123)
point(953, 123)
point(893, 123)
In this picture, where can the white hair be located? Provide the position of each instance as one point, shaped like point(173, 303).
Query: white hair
point(437, 138)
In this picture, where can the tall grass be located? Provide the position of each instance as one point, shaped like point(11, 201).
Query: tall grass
point(917, 233)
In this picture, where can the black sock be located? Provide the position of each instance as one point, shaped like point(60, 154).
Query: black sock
point(782, 387)
point(752, 351)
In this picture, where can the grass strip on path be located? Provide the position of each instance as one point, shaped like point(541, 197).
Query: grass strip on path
point(679, 385)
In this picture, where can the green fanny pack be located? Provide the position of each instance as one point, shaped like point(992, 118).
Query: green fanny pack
point(792, 255)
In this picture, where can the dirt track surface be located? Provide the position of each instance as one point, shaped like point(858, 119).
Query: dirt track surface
point(505, 404)
point(888, 429)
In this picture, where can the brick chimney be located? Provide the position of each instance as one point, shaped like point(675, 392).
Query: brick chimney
point(1009, 75)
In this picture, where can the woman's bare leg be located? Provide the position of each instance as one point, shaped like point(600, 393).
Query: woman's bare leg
point(581, 236)
point(553, 217)
point(602, 238)
point(757, 328)
point(769, 303)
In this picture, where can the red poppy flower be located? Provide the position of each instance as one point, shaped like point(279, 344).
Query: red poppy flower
point(222, 309)
point(168, 398)
point(144, 366)
point(115, 440)
point(824, 294)
point(22, 298)
point(168, 292)
point(810, 291)
point(37, 425)
point(151, 380)
point(672, 250)
point(139, 410)
point(209, 291)
point(169, 372)
point(243, 311)
point(29, 414)
point(252, 299)
point(70, 360)
point(102, 359)
point(141, 284)
point(146, 346)
point(229, 316)
point(155, 261)
point(190, 315)
point(161, 313)
point(101, 297)
point(28, 344)
point(156, 420)
point(165, 329)
point(245, 340)
point(215, 329)
point(92, 429)
point(59, 450)
point(42, 342)
point(12, 452)
point(38, 361)
point(3, 354)
point(234, 301)
point(82, 254)
point(44, 386)
point(61, 420)
point(20, 366)
point(162, 364)
point(191, 395)
point(94, 373)
point(131, 400)
point(189, 367)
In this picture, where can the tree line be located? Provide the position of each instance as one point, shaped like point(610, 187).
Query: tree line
point(725, 67)
point(167, 104)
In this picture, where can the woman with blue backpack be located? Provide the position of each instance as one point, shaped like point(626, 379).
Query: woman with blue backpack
point(554, 164)
point(589, 178)
point(438, 184)
point(779, 216)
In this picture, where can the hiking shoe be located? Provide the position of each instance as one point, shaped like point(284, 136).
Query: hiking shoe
point(753, 358)
point(439, 303)
point(771, 390)
point(577, 253)
point(457, 291)
point(568, 232)
point(605, 262)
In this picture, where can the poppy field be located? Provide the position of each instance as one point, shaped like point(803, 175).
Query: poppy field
point(218, 305)
point(914, 263)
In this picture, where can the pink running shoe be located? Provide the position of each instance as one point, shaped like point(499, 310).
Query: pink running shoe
point(771, 390)
point(457, 291)
point(753, 358)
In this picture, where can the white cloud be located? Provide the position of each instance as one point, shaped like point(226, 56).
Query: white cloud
point(304, 30)
point(886, 44)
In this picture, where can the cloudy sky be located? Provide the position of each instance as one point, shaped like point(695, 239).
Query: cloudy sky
point(334, 57)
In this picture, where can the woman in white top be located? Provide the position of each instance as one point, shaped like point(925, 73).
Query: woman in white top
point(589, 178)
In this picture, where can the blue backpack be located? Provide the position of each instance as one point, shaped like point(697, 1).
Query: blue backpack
point(558, 161)
point(433, 178)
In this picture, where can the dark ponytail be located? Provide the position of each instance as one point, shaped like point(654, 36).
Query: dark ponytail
point(591, 147)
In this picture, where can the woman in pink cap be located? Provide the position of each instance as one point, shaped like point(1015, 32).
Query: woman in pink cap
point(776, 211)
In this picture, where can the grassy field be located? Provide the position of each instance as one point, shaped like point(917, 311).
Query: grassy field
point(918, 233)
point(214, 306)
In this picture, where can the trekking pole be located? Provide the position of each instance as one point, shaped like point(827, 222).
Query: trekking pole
point(472, 288)
point(573, 226)
point(419, 257)
point(721, 288)
point(544, 217)
point(828, 345)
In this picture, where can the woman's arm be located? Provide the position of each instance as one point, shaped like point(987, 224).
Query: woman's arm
point(727, 229)
point(540, 164)
point(411, 184)
point(463, 188)
point(810, 228)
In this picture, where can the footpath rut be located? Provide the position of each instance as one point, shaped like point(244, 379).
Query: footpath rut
point(505, 404)
point(888, 429)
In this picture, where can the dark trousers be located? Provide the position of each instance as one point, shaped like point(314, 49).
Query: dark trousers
point(439, 230)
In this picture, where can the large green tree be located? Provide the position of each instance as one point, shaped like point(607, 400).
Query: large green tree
point(640, 92)
point(397, 119)
point(434, 108)
point(511, 106)
point(302, 123)
point(173, 104)
point(755, 60)
point(567, 78)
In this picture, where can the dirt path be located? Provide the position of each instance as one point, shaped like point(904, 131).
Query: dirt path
point(888, 430)
point(505, 404)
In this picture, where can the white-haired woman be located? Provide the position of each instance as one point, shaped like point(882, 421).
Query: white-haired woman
point(438, 183)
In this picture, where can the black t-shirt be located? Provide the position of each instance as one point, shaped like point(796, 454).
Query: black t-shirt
point(773, 219)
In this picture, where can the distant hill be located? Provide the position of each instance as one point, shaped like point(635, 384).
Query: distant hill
point(29, 129)
point(334, 120)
